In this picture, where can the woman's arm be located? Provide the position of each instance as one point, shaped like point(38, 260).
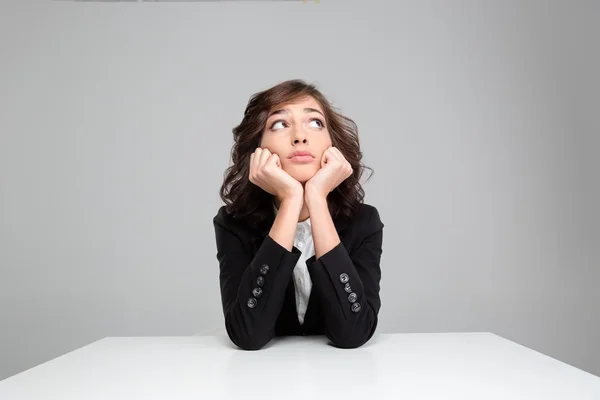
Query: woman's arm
point(286, 221)
point(253, 288)
point(348, 284)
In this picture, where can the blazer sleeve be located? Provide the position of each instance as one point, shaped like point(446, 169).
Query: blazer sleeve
point(349, 286)
point(252, 287)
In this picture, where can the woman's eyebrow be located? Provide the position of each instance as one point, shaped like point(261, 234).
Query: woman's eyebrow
point(286, 111)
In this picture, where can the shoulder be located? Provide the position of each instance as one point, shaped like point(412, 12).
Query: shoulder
point(368, 211)
point(222, 217)
point(367, 218)
point(239, 225)
point(225, 220)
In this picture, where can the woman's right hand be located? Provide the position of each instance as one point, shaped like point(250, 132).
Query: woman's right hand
point(266, 173)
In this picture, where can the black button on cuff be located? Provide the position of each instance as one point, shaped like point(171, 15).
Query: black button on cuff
point(356, 307)
point(264, 269)
point(257, 292)
point(344, 278)
point(252, 302)
point(260, 281)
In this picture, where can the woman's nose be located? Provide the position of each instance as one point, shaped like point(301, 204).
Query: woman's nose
point(299, 135)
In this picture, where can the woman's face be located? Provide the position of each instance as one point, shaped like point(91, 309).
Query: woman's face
point(293, 127)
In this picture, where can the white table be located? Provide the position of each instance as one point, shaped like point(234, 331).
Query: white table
point(391, 366)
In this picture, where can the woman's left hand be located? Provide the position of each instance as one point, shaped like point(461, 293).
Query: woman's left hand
point(334, 170)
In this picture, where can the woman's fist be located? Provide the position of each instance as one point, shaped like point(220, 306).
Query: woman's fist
point(334, 170)
point(266, 173)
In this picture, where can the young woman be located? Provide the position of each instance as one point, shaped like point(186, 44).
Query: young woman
point(298, 249)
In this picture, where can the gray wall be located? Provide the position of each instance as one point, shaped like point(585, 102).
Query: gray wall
point(479, 118)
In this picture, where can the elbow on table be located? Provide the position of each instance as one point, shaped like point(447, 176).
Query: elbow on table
point(247, 341)
point(351, 342)
point(250, 344)
point(351, 337)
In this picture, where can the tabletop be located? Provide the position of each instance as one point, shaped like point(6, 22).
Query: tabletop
point(391, 366)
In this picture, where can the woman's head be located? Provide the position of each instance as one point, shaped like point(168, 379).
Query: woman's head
point(291, 116)
point(297, 125)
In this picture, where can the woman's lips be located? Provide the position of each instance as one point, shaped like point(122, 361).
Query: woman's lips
point(301, 159)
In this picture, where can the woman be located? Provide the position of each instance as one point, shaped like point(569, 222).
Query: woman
point(298, 249)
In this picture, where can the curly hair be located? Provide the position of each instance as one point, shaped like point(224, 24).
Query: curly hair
point(248, 202)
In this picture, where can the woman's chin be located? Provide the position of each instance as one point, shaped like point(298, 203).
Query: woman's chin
point(302, 175)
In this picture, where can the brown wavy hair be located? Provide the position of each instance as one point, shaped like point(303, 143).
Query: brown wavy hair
point(245, 200)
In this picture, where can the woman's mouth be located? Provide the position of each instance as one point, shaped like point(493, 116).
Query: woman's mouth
point(301, 159)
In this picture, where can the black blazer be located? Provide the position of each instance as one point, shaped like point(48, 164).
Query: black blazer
point(257, 289)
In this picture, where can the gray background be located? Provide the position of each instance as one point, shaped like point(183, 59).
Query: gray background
point(479, 118)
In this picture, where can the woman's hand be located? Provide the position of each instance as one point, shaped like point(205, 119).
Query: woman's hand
point(334, 170)
point(266, 173)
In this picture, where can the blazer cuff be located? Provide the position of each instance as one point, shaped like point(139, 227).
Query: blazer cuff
point(338, 282)
point(270, 272)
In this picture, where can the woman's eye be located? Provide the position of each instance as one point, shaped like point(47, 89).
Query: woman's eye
point(274, 125)
point(318, 122)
